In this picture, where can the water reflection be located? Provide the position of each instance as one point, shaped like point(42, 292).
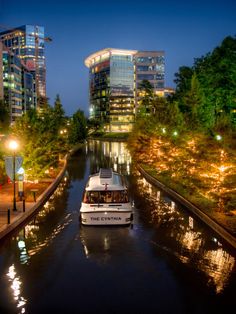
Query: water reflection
point(105, 243)
point(109, 154)
point(176, 230)
point(31, 234)
point(163, 235)
point(15, 285)
point(185, 237)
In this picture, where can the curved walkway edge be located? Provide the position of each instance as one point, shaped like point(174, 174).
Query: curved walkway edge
point(31, 208)
point(204, 217)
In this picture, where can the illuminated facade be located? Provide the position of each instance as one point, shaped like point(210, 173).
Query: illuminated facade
point(16, 84)
point(27, 43)
point(114, 75)
point(150, 66)
point(112, 90)
point(12, 84)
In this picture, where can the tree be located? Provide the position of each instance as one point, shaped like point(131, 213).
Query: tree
point(183, 81)
point(196, 112)
point(217, 75)
point(59, 113)
point(167, 113)
point(4, 117)
point(78, 128)
point(147, 97)
point(40, 141)
point(94, 124)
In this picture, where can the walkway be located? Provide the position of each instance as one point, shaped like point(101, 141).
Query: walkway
point(19, 216)
point(10, 220)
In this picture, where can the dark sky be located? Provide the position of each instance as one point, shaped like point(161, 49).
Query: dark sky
point(183, 29)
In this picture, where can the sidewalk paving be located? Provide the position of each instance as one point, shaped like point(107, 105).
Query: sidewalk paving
point(6, 203)
point(44, 189)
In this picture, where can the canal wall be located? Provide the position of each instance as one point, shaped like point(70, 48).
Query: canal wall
point(200, 214)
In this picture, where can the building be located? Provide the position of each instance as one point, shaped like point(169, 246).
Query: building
point(114, 77)
point(27, 43)
point(27, 89)
point(112, 89)
point(12, 84)
point(16, 83)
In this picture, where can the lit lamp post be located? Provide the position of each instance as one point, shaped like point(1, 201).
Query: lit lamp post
point(13, 145)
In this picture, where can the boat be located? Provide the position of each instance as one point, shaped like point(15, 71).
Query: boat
point(106, 200)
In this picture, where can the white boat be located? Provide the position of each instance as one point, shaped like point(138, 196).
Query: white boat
point(106, 200)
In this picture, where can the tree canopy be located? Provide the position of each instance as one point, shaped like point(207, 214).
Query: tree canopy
point(206, 92)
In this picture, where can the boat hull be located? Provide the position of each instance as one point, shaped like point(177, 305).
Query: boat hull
point(106, 217)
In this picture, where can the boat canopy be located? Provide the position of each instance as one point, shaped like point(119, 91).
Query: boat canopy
point(105, 179)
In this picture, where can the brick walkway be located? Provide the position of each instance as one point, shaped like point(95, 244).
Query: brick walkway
point(8, 220)
point(32, 202)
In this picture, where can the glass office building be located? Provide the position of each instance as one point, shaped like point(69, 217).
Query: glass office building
point(27, 42)
point(16, 84)
point(111, 88)
point(114, 75)
point(12, 87)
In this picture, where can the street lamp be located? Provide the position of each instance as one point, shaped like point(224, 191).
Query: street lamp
point(13, 145)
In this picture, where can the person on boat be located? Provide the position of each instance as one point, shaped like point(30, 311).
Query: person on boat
point(108, 197)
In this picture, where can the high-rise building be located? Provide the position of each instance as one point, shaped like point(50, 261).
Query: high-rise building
point(112, 89)
point(12, 84)
point(16, 84)
point(27, 43)
point(114, 77)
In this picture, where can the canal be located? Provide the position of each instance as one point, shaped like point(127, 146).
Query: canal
point(165, 262)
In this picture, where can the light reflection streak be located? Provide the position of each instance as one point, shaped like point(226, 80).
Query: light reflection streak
point(16, 289)
point(29, 231)
point(217, 264)
point(220, 267)
point(117, 152)
point(50, 238)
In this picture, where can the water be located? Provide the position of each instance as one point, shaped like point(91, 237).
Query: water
point(166, 262)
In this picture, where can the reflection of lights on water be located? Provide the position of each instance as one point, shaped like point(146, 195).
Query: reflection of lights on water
point(191, 240)
point(21, 244)
point(15, 286)
point(219, 267)
point(190, 222)
point(24, 257)
point(106, 243)
point(86, 250)
point(50, 238)
point(116, 151)
point(216, 264)
point(128, 167)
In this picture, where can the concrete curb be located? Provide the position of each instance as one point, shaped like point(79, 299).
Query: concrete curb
point(204, 217)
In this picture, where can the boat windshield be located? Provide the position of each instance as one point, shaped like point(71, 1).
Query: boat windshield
point(92, 197)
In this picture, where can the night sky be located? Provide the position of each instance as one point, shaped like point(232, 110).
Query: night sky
point(183, 29)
